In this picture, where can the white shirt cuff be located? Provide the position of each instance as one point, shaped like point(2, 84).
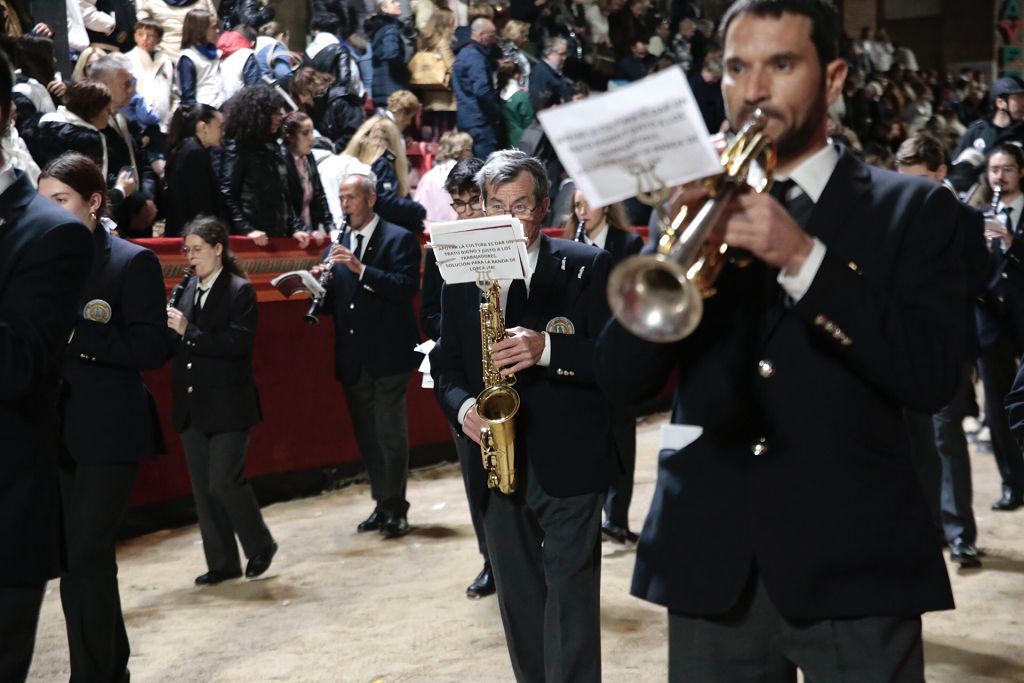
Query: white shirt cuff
point(464, 408)
point(797, 285)
point(545, 356)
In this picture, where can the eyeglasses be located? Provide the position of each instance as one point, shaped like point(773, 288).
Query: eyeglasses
point(193, 250)
point(461, 207)
point(1004, 169)
point(518, 209)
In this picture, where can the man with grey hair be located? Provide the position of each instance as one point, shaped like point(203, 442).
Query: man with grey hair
point(135, 213)
point(543, 539)
point(375, 275)
point(479, 107)
point(548, 86)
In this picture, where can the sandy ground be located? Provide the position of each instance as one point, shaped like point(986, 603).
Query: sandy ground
point(337, 606)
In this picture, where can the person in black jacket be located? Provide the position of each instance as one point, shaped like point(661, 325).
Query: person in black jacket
point(608, 228)
point(253, 175)
point(379, 144)
point(390, 63)
point(47, 254)
point(216, 404)
point(461, 186)
point(119, 335)
point(192, 185)
point(305, 191)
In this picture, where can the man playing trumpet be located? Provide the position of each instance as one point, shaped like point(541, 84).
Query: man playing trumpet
point(792, 533)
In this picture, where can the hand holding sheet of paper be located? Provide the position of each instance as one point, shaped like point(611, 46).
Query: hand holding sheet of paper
point(493, 245)
point(643, 137)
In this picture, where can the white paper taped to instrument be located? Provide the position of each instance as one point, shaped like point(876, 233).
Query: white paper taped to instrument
point(493, 245)
point(640, 138)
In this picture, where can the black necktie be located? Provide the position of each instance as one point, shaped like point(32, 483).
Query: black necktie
point(799, 206)
point(1008, 212)
point(359, 245)
point(198, 307)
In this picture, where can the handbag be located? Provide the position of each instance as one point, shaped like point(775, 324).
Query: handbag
point(427, 71)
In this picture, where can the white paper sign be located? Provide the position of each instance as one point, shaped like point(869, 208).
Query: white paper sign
point(493, 245)
point(645, 136)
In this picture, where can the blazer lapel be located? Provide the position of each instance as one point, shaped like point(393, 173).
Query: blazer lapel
point(542, 281)
point(216, 299)
point(186, 303)
point(370, 251)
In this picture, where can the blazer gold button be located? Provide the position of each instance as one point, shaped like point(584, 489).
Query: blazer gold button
point(190, 390)
point(188, 366)
point(766, 369)
point(1004, 275)
point(352, 306)
point(351, 331)
point(761, 447)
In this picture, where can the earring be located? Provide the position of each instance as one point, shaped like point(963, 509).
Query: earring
point(92, 215)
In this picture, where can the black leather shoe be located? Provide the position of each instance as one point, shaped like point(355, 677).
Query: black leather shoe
point(964, 553)
point(260, 563)
point(371, 523)
point(618, 534)
point(213, 577)
point(394, 526)
point(483, 584)
point(1008, 501)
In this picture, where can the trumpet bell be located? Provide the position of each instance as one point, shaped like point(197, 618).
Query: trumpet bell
point(653, 297)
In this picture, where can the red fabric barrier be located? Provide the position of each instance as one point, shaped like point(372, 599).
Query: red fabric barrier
point(305, 419)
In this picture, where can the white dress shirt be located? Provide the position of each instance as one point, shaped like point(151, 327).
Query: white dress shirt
point(600, 238)
point(203, 289)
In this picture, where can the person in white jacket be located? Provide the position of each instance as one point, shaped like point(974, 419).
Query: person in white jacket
point(171, 14)
point(153, 70)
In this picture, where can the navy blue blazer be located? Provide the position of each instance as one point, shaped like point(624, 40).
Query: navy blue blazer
point(108, 414)
point(1000, 311)
point(374, 324)
point(214, 390)
point(803, 467)
point(45, 257)
point(562, 424)
point(620, 244)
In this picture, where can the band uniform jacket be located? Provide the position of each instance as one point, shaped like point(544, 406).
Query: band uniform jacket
point(45, 256)
point(562, 423)
point(803, 466)
point(107, 412)
point(621, 244)
point(214, 388)
point(374, 324)
point(1000, 312)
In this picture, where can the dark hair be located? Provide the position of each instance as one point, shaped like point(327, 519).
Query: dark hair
point(213, 231)
point(1009, 149)
point(185, 120)
point(291, 124)
point(81, 174)
point(921, 149)
point(462, 178)
point(150, 25)
point(824, 18)
point(87, 99)
point(247, 32)
point(194, 28)
point(248, 114)
point(506, 72)
point(325, 23)
point(34, 56)
point(6, 83)
point(579, 88)
point(307, 83)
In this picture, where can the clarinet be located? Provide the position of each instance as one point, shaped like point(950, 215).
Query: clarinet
point(179, 289)
point(581, 230)
point(994, 243)
point(312, 315)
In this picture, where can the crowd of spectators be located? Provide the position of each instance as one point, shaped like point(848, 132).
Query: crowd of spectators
point(147, 98)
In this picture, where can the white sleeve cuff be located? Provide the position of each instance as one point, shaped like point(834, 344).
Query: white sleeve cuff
point(545, 356)
point(464, 408)
point(797, 285)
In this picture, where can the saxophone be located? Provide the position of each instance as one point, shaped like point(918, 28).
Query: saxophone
point(498, 402)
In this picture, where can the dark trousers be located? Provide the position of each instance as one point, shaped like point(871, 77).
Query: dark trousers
point(546, 556)
point(620, 492)
point(485, 141)
point(94, 497)
point(998, 368)
point(469, 455)
point(753, 642)
point(957, 492)
point(225, 502)
point(19, 616)
point(378, 409)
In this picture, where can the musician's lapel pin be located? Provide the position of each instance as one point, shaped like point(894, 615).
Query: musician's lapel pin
point(579, 275)
point(563, 263)
point(97, 311)
point(560, 325)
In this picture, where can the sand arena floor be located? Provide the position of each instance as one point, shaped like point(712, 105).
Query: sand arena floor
point(338, 606)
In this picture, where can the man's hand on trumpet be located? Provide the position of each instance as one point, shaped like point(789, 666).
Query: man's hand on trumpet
point(762, 226)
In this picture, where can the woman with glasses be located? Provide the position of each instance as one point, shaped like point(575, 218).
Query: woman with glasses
point(109, 421)
point(216, 404)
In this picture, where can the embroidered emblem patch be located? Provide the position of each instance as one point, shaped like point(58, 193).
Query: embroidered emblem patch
point(97, 311)
point(560, 325)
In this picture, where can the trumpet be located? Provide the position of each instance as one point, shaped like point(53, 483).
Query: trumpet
point(660, 297)
point(179, 289)
point(581, 231)
point(313, 314)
